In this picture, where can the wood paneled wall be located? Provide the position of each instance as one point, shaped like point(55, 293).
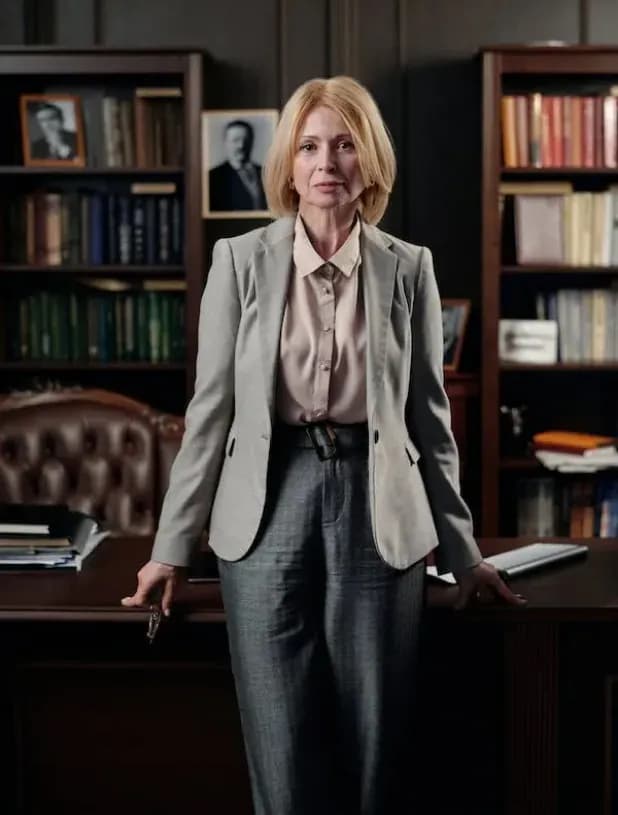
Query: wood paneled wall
point(418, 58)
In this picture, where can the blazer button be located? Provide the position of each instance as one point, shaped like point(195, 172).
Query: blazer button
point(376, 436)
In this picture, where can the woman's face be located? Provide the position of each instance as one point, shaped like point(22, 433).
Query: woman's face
point(326, 172)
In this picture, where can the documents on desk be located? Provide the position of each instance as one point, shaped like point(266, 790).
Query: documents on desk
point(64, 542)
point(524, 559)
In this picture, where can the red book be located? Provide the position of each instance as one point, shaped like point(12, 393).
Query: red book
point(588, 131)
point(567, 131)
point(557, 147)
point(598, 131)
point(577, 121)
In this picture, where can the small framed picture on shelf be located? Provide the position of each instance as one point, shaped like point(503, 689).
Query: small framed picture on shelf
point(455, 315)
point(234, 146)
point(52, 130)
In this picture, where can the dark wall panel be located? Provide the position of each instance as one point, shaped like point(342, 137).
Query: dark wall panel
point(602, 21)
point(377, 55)
point(304, 43)
point(76, 23)
point(443, 96)
point(241, 39)
point(12, 21)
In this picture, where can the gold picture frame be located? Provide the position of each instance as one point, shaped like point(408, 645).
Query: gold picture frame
point(52, 130)
point(229, 138)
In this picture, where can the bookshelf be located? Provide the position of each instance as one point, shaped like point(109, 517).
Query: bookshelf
point(574, 394)
point(102, 259)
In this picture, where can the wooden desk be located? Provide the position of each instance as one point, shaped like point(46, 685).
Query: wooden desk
point(93, 720)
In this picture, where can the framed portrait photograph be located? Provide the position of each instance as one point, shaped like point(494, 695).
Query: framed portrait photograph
point(455, 315)
point(234, 146)
point(52, 130)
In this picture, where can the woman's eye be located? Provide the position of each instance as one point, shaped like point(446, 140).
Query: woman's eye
point(346, 145)
point(306, 147)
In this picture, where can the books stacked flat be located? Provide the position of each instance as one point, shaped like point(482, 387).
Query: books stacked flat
point(567, 451)
point(28, 545)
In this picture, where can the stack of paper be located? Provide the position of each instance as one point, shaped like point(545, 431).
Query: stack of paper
point(34, 545)
point(593, 461)
point(575, 452)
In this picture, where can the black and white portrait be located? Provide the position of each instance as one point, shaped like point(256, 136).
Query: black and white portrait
point(234, 146)
point(52, 131)
point(454, 319)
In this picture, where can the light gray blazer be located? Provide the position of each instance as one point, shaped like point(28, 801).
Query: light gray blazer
point(219, 475)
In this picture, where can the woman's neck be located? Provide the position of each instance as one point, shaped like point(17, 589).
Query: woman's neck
point(328, 229)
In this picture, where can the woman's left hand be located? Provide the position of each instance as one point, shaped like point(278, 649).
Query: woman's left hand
point(482, 583)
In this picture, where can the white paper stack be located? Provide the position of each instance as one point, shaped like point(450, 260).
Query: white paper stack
point(593, 461)
point(30, 545)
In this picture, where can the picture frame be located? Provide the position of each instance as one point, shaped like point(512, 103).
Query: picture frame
point(52, 130)
point(231, 138)
point(455, 315)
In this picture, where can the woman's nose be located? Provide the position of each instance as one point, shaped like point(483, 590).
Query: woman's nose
point(326, 159)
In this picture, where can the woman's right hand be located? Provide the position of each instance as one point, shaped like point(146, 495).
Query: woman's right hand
point(154, 579)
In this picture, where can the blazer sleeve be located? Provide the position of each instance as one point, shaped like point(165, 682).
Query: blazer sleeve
point(196, 468)
point(429, 420)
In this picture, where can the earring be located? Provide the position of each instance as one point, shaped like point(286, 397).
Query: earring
point(290, 183)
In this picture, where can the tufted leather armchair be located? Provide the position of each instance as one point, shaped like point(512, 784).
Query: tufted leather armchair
point(94, 450)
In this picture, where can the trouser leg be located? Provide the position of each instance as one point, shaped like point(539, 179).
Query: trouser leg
point(372, 618)
point(274, 599)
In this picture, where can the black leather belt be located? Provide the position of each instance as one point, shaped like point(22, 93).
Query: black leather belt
point(328, 439)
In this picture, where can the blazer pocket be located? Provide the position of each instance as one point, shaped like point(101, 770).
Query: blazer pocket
point(411, 451)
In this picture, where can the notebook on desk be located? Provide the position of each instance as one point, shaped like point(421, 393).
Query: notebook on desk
point(525, 559)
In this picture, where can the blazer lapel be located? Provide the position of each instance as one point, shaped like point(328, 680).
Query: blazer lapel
point(272, 265)
point(378, 269)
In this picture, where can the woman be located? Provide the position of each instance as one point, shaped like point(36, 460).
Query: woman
point(318, 448)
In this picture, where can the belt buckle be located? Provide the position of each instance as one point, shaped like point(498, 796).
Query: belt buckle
point(323, 439)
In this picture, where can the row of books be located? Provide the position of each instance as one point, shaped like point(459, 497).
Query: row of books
point(540, 130)
point(587, 320)
point(141, 128)
point(552, 224)
point(76, 326)
point(52, 228)
point(577, 508)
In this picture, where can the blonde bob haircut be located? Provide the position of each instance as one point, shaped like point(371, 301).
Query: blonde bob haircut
point(357, 107)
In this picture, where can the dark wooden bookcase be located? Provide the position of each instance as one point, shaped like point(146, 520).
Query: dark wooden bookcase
point(35, 70)
point(577, 396)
